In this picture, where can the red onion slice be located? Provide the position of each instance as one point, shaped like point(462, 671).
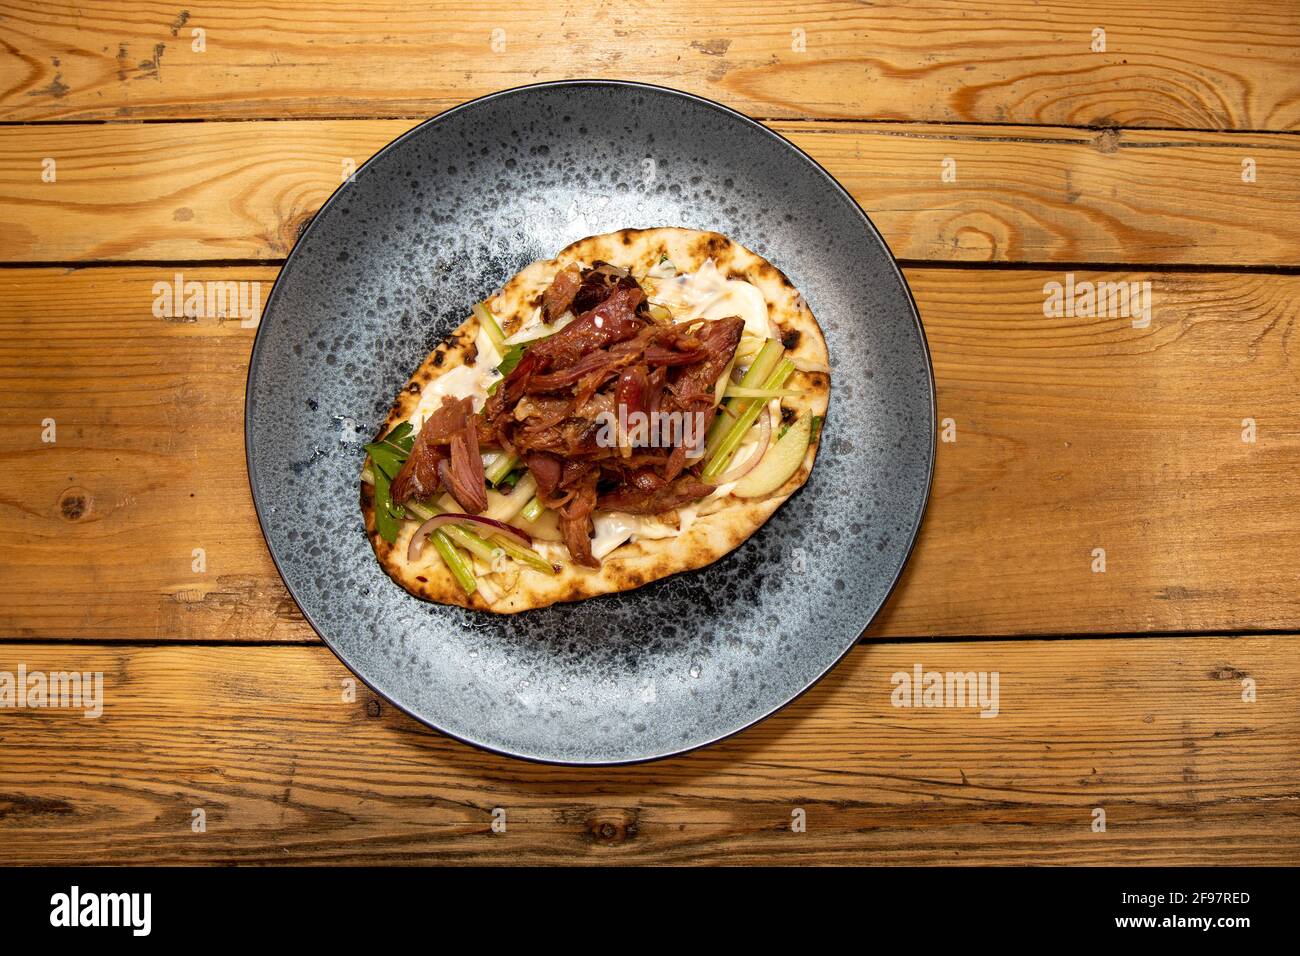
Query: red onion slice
point(764, 436)
point(490, 525)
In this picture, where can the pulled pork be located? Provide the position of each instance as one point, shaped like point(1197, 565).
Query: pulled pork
point(547, 410)
point(445, 454)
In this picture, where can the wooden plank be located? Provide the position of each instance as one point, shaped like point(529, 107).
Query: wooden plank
point(1153, 732)
point(1074, 434)
point(1166, 63)
point(147, 465)
point(212, 191)
point(1071, 435)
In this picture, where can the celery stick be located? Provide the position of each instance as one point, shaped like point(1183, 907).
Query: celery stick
point(489, 324)
point(485, 548)
point(532, 511)
point(442, 542)
point(526, 555)
point(461, 569)
point(759, 370)
point(724, 381)
point(732, 440)
point(471, 542)
point(739, 391)
point(422, 511)
point(763, 365)
point(504, 464)
point(506, 507)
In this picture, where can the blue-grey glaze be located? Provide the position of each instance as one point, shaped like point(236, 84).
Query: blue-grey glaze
point(436, 221)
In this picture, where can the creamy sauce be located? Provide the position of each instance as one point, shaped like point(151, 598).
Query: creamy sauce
point(708, 294)
point(613, 528)
point(535, 328)
point(463, 381)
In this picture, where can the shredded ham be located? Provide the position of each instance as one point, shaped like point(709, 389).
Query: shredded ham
point(559, 295)
point(547, 410)
point(450, 433)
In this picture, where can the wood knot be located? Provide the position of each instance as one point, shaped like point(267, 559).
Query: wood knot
point(1107, 141)
point(75, 503)
point(611, 827)
point(1227, 672)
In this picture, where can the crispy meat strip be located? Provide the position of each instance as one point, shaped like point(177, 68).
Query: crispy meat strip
point(612, 321)
point(418, 477)
point(559, 295)
point(575, 520)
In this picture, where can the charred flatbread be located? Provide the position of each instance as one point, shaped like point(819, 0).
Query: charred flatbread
point(646, 313)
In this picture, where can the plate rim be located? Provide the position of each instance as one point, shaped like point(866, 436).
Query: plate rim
point(728, 111)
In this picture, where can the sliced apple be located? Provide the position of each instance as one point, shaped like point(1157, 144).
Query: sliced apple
point(780, 462)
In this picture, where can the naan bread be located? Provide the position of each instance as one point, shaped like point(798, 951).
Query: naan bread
point(632, 564)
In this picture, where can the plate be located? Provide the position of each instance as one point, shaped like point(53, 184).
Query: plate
point(436, 221)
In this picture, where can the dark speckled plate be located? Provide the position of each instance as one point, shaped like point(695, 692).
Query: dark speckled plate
point(435, 222)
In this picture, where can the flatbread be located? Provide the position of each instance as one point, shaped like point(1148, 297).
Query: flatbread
point(636, 563)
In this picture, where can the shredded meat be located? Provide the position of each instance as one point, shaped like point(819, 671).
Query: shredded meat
point(419, 476)
point(575, 520)
point(646, 493)
point(559, 296)
point(546, 469)
point(463, 476)
point(599, 283)
point(613, 320)
point(554, 408)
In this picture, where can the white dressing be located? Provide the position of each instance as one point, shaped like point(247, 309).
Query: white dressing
point(610, 529)
point(463, 381)
point(613, 528)
point(707, 294)
point(535, 328)
point(460, 382)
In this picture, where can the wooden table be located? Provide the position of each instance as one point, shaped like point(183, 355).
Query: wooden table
point(996, 149)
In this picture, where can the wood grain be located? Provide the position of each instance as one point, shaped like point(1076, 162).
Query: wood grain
point(1154, 732)
point(215, 191)
point(1167, 63)
point(1071, 435)
point(148, 464)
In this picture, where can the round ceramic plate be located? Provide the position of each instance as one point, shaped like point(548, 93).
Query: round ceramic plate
point(436, 221)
